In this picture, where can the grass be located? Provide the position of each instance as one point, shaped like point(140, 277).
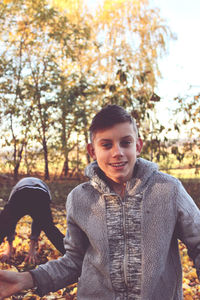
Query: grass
point(183, 173)
point(190, 181)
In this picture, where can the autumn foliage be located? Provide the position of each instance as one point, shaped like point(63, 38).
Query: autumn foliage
point(60, 63)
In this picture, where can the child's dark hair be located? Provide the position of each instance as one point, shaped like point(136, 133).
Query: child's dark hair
point(108, 117)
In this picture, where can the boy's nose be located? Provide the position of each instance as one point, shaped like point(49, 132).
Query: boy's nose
point(117, 151)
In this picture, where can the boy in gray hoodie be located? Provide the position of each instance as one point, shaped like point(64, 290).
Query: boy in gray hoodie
point(123, 225)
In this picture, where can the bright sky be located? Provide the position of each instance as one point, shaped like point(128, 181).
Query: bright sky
point(180, 68)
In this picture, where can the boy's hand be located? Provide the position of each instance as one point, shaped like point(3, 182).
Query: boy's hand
point(13, 282)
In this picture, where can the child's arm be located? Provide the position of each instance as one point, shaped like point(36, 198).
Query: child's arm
point(59, 273)
point(65, 270)
point(13, 282)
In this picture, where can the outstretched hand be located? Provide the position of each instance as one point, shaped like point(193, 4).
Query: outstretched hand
point(32, 257)
point(14, 282)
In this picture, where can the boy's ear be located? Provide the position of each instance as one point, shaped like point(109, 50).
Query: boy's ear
point(139, 145)
point(91, 151)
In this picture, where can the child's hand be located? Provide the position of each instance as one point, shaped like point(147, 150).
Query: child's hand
point(32, 257)
point(13, 282)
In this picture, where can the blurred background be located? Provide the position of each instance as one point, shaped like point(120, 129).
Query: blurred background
point(61, 61)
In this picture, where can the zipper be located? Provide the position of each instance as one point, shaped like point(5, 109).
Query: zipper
point(125, 261)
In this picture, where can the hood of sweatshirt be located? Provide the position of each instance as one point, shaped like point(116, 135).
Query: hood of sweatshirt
point(142, 172)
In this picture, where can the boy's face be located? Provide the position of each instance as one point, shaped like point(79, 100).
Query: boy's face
point(116, 150)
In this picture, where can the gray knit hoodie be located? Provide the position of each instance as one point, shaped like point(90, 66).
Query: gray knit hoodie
point(125, 249)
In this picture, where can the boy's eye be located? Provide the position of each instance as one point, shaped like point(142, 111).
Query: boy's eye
point(107, 145)
point(125, 143)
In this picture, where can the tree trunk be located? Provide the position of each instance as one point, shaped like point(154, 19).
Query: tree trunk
point(46, 171)
point(65, 168)
point(87, 141)
point(18, 161)
point(16, 171)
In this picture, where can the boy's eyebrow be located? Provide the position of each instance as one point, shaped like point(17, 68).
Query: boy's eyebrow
point(127, 136)
point(104, 140)
point(107, 140)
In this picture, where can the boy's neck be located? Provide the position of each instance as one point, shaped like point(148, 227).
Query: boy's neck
point(118, 188)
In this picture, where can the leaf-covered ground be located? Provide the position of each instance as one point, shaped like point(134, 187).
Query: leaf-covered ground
point(47, 251)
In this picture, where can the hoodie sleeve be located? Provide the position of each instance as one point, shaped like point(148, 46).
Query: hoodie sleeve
point(189, 225)
point(57, 274)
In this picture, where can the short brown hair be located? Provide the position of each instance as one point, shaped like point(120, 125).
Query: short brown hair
point(108, 117)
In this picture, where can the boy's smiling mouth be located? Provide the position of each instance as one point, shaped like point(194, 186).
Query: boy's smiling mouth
point(118, 164)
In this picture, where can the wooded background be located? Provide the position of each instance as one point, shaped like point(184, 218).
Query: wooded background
point(60, 63)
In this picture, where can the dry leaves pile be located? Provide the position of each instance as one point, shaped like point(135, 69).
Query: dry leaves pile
point(191, 286)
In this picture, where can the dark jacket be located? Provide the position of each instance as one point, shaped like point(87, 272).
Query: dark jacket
point(32, 183)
